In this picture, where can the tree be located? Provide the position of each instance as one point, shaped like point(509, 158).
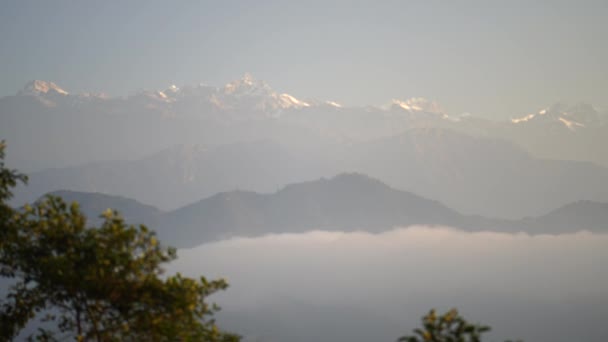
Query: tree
point(101, 283)
point(449, 327)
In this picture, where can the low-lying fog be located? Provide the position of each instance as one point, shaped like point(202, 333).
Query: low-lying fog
point(328, 286)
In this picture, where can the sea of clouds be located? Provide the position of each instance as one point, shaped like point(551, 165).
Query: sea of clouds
point(337, 286)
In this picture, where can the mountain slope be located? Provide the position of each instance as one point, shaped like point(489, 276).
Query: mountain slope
point(93, 204)
point(477, 176)
point(181, 175)
point(581, 215)
point(347, 202)
point(482, 176)
point(562, 132)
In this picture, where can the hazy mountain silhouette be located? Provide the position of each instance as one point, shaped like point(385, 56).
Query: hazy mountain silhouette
point(181, 175)
point(563, 132)
point(347, 202)
point(581, 215)
point(478, 176)
point(93, 204)
point(257, 139)
point(475, 175)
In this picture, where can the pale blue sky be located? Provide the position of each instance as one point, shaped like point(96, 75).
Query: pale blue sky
point(490, 58)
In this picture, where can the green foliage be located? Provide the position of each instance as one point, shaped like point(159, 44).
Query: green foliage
point(449, 327)
point(8, 178)
point(95, 283)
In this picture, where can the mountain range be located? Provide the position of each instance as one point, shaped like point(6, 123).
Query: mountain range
point(94, 204)
point(171, 148)
point(346, 202)
point(472, 175)
point(65, 129)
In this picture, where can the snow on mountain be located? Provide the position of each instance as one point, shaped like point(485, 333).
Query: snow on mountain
point(333, 104)
point(249, 98)
point(418, 105)
point(248, 109)
point(242, 95)
point(571, 125)
point(571, 117)
point(247, 85)
point(248, 93)
point(523, 119)
point(289, 101)
point(37, 87)
point(172, 89)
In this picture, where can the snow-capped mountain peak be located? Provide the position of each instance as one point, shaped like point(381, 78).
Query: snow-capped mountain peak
point(247, 85)
point(571, 125)
point(252, 93)
point(417, 105)
point(248, 79)
point(571, 117)
point(37, 87)
point(249, 98)
point(527, 117)
point(333, 104)
point(288, 101)
point(172, 89)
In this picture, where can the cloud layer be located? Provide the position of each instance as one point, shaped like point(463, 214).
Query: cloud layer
point(515, 282)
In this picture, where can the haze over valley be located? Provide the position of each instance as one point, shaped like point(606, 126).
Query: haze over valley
point(246, 165)
point(344, 167)
point(171, 148)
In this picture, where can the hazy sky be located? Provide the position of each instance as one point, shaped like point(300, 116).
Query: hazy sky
point(489, 58)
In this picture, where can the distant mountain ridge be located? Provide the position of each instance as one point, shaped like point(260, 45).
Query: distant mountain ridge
point(94, 204)
point(346, 202)
point(472, 175)
point(249, 109)
point(580, 215)
point(180, 175)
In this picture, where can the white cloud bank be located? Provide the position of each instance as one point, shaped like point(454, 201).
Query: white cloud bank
point(396, 276)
